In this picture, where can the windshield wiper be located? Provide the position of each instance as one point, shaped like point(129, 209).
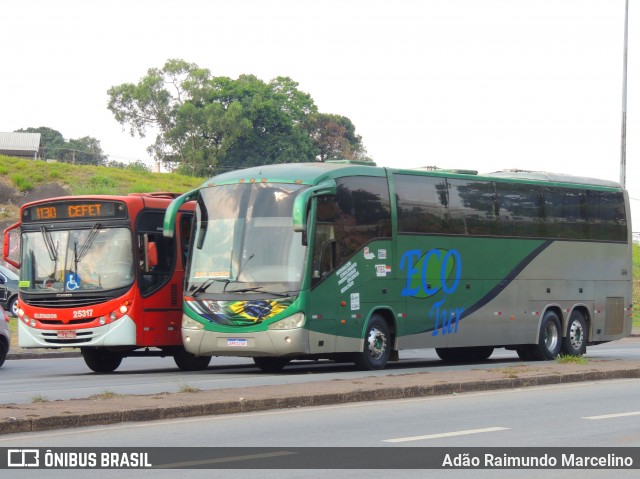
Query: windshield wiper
point(261, 289)
point(48, 241)
point(88, 242)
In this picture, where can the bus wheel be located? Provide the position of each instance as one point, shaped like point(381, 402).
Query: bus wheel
point(465, 355)
point(377, 346)
point(101, 360)
point(524, 352)
point(575, 341)
point(550, 341)
point(271, 364)
point(190, 362)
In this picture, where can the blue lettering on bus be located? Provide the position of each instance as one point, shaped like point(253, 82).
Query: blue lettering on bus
point(450, 271)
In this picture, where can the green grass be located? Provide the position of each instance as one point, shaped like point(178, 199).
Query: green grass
point(24, 175)
point(569, 359)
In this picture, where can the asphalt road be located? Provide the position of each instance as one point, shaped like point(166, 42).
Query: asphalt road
point(588, 414)
point(32, 380)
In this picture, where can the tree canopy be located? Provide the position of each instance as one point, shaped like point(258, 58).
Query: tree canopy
point(204, 124)
point(81, 151)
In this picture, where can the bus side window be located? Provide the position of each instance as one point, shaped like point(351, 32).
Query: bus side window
point(156, 254)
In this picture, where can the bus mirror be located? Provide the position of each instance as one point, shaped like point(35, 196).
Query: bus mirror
point(169, 225)
point(6, 248)
point(301, 203)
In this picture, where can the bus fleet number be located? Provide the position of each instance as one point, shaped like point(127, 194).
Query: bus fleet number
point(82, 313)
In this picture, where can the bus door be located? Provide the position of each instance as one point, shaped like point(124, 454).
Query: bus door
point(323, 312)
point(159, 283)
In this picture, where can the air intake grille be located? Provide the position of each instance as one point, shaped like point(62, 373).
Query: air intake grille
point(614, 320)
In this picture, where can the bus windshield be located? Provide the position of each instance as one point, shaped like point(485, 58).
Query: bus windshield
point(76, 260)
point(244, 241)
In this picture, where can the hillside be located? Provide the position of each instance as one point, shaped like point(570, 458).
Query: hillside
point(24, 180)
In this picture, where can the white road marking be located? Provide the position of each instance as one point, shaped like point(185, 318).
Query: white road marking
point(447, 434)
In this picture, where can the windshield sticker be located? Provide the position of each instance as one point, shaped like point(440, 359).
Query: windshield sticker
point(436, 272)
point(211, 274)
point(347, 275)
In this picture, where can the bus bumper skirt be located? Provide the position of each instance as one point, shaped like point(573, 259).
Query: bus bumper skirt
point(119, 333)
point(290, 342)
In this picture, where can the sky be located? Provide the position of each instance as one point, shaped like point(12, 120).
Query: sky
point(474, 84)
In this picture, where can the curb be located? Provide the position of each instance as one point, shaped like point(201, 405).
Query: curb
point(17, 418)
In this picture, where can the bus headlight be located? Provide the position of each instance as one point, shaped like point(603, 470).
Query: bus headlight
point(189, 323)
point(292, 322)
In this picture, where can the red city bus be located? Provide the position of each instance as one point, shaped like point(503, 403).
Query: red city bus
point(96, 273)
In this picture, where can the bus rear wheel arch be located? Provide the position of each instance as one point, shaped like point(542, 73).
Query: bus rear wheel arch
point(101, 360)
point(574, 342)
point(377, 345)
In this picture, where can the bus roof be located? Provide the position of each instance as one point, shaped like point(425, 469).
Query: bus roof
point(316, 173)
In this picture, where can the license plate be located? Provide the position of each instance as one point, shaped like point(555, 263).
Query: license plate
point(237, 343)
point(66, 335)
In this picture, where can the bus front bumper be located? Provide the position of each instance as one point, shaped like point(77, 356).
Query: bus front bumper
point(289, 342)
point(119, 333)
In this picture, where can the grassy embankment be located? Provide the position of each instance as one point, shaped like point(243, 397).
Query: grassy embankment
point(20, 176)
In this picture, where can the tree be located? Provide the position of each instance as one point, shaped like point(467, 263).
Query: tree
point(204, 123)
point(52, 140)
point(335, 138)
point(81, 151)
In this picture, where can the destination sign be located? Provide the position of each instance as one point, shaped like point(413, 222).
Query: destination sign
point(74, 210)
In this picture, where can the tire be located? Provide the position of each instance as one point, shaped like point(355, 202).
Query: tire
point(524, 352)
point(101, 360)
point(575, 341)
point(271, 364)
point(377, 346)
point(190, 362)
point(550, 341)
point(465, 355)
point(4, 349)
point(12, 307)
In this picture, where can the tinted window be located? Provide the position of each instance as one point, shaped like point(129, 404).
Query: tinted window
point(472, 207)
point(156, 253)
point(520, 209)
point(422, 204)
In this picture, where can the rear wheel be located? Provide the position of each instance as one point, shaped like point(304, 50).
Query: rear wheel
point(575, 341)
point(549, 344)
point(524, 352)
point(377, 345)
point(190, 362)
point(101, 360)
point(271, 364)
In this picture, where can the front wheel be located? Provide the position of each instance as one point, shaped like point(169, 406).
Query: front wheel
point(377, 346)
point(550, 338)
point(101, 360)
point(12, 307)
point(575, 341)
point(190, 362)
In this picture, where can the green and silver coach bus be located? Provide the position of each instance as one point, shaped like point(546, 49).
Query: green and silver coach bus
point(353, 262)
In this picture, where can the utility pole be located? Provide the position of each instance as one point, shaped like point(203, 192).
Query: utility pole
point(623, 142)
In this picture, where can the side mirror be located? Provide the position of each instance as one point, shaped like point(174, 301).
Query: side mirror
point(301, 203)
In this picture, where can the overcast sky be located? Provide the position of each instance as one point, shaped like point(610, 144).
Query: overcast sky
point(475, 84)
